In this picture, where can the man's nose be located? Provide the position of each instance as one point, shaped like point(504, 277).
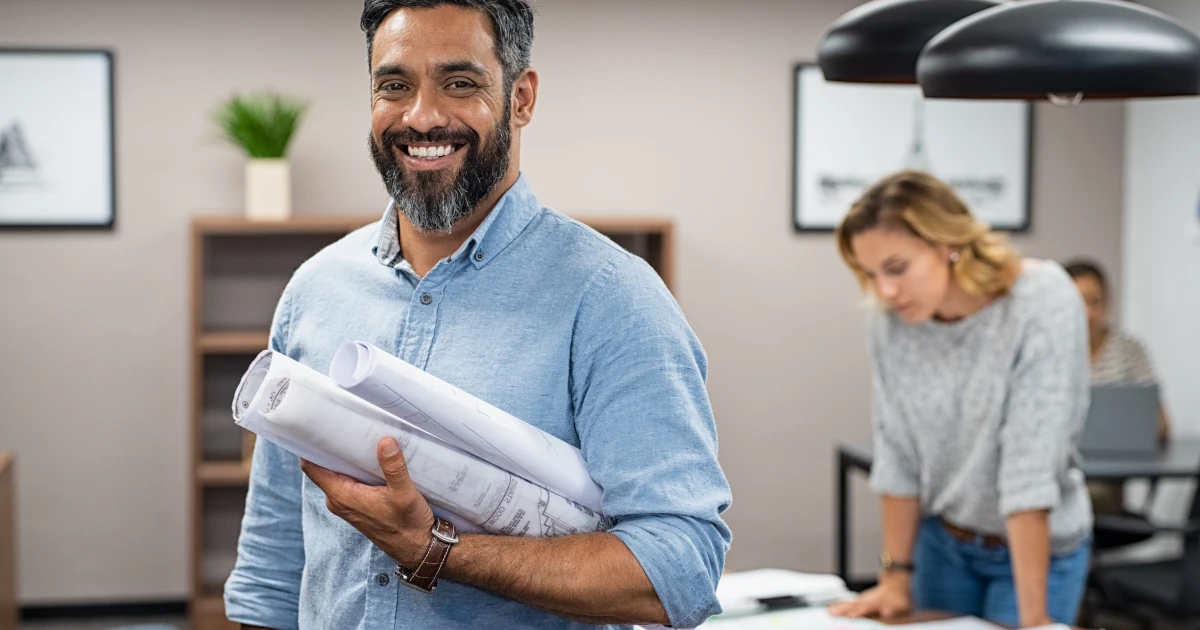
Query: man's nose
point(427, 112)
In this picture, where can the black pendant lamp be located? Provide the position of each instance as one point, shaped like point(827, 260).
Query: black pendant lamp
point(1064, 50)
point(879, 41)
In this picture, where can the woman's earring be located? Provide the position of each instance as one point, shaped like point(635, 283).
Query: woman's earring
point(953, 257)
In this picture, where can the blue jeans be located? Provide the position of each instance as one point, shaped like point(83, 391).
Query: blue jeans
point(970, 579)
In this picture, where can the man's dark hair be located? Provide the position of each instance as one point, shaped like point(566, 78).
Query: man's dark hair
point(1081, 268)
point(512, 26)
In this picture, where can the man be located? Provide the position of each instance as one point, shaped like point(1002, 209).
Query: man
point(469, 278)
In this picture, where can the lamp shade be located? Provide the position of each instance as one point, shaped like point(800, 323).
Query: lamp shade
point(1030, 49)
point(878, 42)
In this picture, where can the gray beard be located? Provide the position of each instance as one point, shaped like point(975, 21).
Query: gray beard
point(437, 214)
point(425, 203)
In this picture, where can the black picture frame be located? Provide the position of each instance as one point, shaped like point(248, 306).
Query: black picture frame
point(796, 216)
point(107, 220)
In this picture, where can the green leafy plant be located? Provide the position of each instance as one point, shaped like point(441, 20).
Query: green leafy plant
point(262, 124)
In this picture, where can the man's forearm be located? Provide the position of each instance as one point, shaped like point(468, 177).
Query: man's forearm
point(1029, 542)
point(592, 578)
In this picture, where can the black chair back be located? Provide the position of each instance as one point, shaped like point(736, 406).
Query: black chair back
point(1188, 603)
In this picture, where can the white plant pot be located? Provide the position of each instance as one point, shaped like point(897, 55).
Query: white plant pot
point(268, 190)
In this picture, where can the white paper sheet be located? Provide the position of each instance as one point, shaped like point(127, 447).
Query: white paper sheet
point(740, 592)
point(957, 623)
point(816, 618)
point(304, 412)
point(465, 421)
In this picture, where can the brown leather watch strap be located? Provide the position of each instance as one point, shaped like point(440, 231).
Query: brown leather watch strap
point(424, 578)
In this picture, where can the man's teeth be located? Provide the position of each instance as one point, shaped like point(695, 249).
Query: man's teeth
point(431, 153)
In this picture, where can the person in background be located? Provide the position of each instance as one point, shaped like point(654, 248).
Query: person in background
point(1116, 359)
point(980, 392)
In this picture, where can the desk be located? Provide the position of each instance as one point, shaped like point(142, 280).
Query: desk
point(1178, 460)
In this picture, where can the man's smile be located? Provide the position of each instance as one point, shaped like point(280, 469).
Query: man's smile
point(427, 156)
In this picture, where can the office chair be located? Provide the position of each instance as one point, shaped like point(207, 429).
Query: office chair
point(1113, 532)
point(1145, 590)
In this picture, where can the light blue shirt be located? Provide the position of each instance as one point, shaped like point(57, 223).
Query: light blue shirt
point(546, 319)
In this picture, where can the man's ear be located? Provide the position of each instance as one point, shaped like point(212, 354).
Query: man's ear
point(524, 97)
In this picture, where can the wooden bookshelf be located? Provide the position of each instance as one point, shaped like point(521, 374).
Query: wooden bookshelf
point(238, 269)
point(236, 342)
point(221, 473)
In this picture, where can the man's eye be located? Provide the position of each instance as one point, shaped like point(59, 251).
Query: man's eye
point(461, 85)
point(393, 87)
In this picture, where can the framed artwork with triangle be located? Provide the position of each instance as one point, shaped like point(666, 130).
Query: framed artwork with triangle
point(847, 136)
point(57, 153)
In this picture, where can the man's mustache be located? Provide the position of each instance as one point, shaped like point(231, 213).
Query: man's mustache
point(436, 135)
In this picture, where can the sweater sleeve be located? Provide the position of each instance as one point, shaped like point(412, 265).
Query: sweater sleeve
point(1046, 404)
point(894, 471)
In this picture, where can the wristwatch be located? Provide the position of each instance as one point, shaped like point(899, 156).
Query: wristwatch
point(888, 564)
point(424, 578)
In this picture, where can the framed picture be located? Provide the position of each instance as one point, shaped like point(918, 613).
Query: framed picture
point(57, 159)
point(847, 136)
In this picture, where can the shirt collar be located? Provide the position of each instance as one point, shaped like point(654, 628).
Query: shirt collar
point(513, 212)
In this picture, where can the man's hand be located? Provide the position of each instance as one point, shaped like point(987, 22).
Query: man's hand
point(591, 578)
point(395, 517)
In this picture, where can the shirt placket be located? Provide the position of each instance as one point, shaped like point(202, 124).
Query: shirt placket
point(415, 345)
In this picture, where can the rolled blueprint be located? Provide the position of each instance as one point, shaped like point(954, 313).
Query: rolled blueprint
point(464, 421)
point(304, 412)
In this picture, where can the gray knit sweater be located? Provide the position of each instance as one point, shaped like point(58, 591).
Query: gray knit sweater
point(980, 418)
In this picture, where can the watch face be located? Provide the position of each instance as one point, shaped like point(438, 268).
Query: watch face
point(449, 538)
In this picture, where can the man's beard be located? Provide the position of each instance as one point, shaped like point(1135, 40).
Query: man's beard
point(431, 204)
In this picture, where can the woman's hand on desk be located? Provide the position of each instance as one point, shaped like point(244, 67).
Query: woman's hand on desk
point(890, 599)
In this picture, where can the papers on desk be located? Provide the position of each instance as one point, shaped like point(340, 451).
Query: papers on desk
point(813, 618)
point(818, 618)
point(742, 595)
point(743, 592)
point(957, 623)
point(306, 413)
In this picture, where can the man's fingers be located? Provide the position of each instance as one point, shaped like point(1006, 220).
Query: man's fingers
point(340, 491)
point(321, 476)
point(391, 461)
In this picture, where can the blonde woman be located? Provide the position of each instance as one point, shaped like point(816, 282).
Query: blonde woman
point(980, 387)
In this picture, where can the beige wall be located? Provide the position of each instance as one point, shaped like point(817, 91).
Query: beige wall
point(667, 107)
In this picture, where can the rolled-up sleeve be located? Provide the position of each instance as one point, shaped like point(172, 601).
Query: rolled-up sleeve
point(1047, 401)
point(647, 432)
point(894, 471)
point(264, 588)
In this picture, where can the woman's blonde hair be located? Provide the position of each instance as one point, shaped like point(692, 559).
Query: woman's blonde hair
point(930, 210)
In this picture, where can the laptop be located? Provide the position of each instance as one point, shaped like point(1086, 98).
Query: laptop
point(1122, 420)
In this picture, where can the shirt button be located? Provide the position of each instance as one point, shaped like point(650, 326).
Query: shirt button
point(426, 299)
point(382, 579)
point(478, 256)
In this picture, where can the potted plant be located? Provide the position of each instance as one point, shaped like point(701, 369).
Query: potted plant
point(263, 125)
